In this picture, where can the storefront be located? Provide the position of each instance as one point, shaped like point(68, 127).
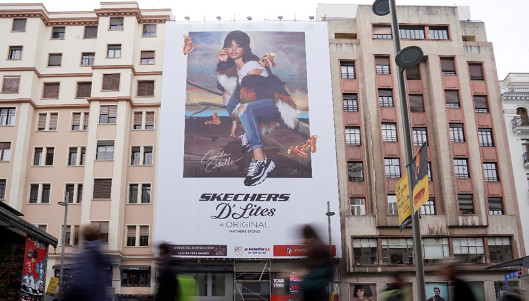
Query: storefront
point(23, 256)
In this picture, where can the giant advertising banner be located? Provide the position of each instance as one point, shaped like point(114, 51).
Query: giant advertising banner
point(246, 148)
point(33, 275)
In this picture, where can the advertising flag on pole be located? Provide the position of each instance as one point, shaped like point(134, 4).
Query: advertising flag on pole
point(403, 202)
point(419, 176)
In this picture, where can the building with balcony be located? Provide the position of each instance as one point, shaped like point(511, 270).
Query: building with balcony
point(454, 104)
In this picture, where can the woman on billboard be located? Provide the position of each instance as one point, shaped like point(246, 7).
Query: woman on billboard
point(255, 98)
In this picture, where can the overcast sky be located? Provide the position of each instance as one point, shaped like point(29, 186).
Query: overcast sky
point(506, 21)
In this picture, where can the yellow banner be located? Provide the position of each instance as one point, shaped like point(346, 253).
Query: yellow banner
point(52, 286)
point(403, 201)
point(420, 178)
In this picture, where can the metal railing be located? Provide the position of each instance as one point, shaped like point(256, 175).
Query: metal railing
point(517, 121)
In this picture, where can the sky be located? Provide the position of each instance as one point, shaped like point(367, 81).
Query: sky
point(506, 22)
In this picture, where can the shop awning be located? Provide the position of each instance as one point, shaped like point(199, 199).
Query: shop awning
point(522, 262)
point(10, 218)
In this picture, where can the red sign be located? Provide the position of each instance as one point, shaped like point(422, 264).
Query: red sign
point(294, 250)
point(33, 275)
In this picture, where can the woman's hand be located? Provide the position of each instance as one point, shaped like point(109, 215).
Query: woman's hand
point(223, 55)
point(233, 128)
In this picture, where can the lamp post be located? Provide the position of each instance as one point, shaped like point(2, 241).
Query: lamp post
point(65, 204)
point(329, 214)
point(407, 57)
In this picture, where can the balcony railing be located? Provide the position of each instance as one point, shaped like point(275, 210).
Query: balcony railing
point(517, 121)
point(525, 158)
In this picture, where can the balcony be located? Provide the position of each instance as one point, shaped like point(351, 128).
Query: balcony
point(520, 123)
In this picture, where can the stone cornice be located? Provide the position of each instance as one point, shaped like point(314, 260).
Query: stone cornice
point(79, 106)
point(124, 98)
point(131, 67)
point(121, 12)
point(40, 75)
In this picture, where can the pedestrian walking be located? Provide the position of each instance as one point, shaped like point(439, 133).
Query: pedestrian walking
point(460, 288)
point(318, 262)
point(167, 281)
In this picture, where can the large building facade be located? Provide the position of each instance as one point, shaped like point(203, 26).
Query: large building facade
point(79, 121)
point(454, 103)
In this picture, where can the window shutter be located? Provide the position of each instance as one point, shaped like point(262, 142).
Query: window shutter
point(84, 89)
point(144, 230)
point(42, 121)
point(112, 111)
point(413, 73)
point(90, 32)
point(102, 188)
point(149, 119)
point(51, 90)
point(476, 71)
point(383, 61)
point(11, 84)
point(385, 93)
point(85, 121)
point(115, 82)
point(19, 24)
point(138, 119)
point(76, 119)
point(55, 60)
point(480, 102)
point(104, 110)
point(116, 21)
point(448, 64)
point(416, 103)
point(131, 231)
point(147, 54)
point(381, 30)
point(452, 96)
point(53, 121)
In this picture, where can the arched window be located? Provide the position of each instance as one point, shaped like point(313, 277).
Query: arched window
point(522, 112)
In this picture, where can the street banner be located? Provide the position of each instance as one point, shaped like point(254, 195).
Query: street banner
point(52, 286)
point(403, 202)
point(33, 274)
point(419, 176)
point(246, 150)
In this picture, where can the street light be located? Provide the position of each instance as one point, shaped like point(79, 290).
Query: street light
point(407, 57)
point(329, 214)
point(65, 204)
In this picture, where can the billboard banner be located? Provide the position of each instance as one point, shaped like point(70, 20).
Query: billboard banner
point(33, 274)
point(246, 147)
point(402, 192)
point(419, 174)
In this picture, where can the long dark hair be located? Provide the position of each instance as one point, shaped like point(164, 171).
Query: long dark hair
point(242, 39)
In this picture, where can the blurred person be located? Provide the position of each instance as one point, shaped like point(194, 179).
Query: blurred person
point(515, 294)
point(90, 272)
point(396, 290)
point(460, 288)
point(362, 292)
point(318, 262)
point(167, 282)
point(436, 296)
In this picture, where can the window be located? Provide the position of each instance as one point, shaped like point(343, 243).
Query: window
point(114, 51)
point(385, 97)
point(485, 137)
point(39, 193)
point(73, 192)
point(429, 207)
point(143, 120)
point(51, 90)
point(452, 99)
point(15, 53)
point(105, 150)
point(480, 104)
point(88, 58)
point(139, 193)
point(435, 250)
point(84, 90)
point(392, 204)
point(439, 33)
point(141, 155)
point(147, 57)
point(57, 32)
point(136, 276)
point(397, 251)
point(430, 172)
point(495, 206)
point(111, 82)
point(108, 114)
point(500, 249)
point(103, 230)
point(469, 249)
point(71, 238)
point(448, 66)
point(149, 30)
point(348, 70)
point(5, 151)
point(416, 103)
point(137, 238)
point(365, 251)
point(76, 156)
point(382, 65)
point(3, 184)
point(358, 206)
point(490, 171)
point(392, 167)
point(420, 136)
point(90, 32)
point(381, 32)
point(411, 32)
point(476, 71)
point(7, 116)
point(47, 121)
point(350, 102)
point(389, 132)
point(42, 227)
point(466, 204)
point(116, 23)
point(54, 59)
point(461, 168)
point(457, 133)
point(352, 136)
point(43, 156)
point(19, 25)
point(413, 73)
point(355, 171)
point(80, 119)
point(146, 88)
point(102, 188)
point(11, 84)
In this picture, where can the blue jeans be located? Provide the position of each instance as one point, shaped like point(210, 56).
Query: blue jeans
point(262, 110)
